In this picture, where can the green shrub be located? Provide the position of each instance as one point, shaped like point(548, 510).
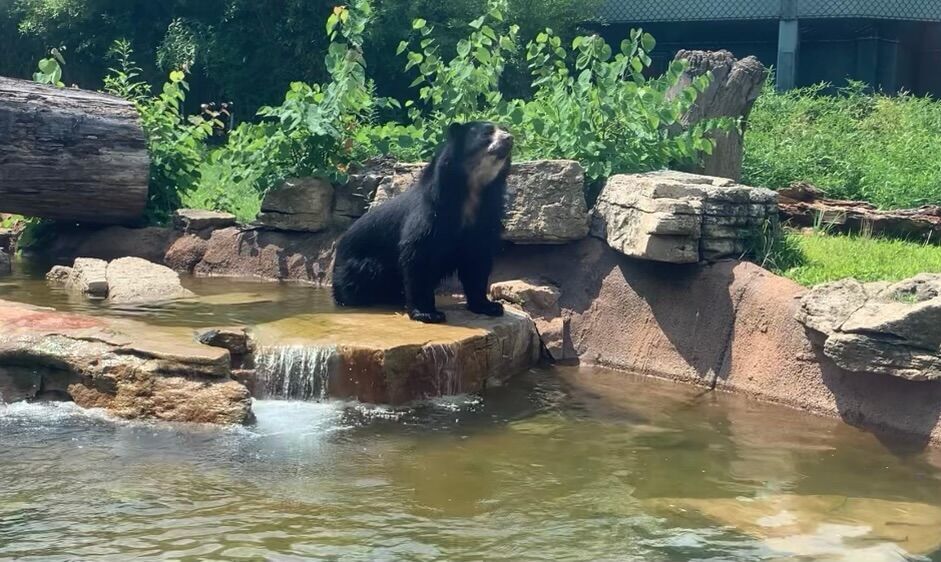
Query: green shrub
point(588, 104)
point(853, 145)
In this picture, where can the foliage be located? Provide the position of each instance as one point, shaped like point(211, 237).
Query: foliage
point(828, 258)
point(50, 69)
point(588, 104)
point(246, 51)
point(854, 145)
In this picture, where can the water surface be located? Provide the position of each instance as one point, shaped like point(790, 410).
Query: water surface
point(562, 464)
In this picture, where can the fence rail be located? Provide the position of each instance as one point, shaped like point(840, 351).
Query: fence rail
point(712, 10)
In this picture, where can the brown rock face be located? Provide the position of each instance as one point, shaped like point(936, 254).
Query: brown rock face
point(134, 371)
point(186, 252)
point(541, 301)
point(233, 252)
point(729, 326)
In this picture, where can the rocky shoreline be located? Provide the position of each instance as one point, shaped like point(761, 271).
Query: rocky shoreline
point(655, 288)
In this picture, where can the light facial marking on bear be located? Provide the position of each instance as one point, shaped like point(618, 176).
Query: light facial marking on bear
point(482, 171)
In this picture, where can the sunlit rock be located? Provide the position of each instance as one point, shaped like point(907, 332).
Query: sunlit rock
point(383, 357)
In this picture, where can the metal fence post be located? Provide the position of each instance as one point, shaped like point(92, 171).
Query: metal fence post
point(788, 46)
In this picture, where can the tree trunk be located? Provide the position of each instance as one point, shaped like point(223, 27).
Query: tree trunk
point(70, 154)
point(735, 86)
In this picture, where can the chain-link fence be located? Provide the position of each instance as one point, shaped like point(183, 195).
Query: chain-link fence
point(712, 10)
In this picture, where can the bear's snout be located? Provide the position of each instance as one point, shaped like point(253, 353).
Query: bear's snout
point(501, 143)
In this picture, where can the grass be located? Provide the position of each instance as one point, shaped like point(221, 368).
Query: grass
point(853, 145)
point(825, 258)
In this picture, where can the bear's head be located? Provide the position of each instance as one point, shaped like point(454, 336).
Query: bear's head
point(483, 148)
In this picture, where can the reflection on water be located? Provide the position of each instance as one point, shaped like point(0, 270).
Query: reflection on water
point(561, 465)
point(219, 302)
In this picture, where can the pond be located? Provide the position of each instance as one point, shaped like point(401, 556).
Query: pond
point(573, 464)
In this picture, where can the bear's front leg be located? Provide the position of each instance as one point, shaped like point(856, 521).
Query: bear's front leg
point(474, 272)
point(420, 285)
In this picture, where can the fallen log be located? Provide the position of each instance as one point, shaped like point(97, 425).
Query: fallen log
point(70, 154)
point(803, 205)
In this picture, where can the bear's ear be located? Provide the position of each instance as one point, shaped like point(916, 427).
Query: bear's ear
point(454, 130)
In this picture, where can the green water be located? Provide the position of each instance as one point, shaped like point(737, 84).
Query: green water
point(563, 464)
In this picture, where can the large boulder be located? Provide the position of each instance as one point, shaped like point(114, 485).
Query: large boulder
point(677, 217)
point(133, 280)
point(89, 276)
point(890, 329)
point(545, 203)
point(385, 358)
point(299, 204)
point(545, 199)
point(133, 370)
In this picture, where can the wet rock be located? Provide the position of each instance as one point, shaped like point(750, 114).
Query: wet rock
point(680, 218)
point(545, 199)
point(133, 280)
point(196, 220)
point(540, 300)
point(385, 358)
point(186, 252)
point(135, 371)
point(878, 327)
point(6, 266)
point(59, 274)
point(89, 275)
point(299, 204)
point(235, 339)
point(545, 203)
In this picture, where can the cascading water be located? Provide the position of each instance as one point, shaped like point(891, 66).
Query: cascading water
point(444, 364)
point(296, 372)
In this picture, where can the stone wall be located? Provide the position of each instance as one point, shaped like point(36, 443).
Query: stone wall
point(727, 326)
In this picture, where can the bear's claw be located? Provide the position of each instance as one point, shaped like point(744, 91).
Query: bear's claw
point(434, 317)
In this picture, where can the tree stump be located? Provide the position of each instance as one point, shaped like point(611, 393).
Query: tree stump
point(735, 86)
point(70, 154)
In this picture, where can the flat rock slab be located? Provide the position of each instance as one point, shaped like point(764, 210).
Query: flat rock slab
point(133, 370)
point(195, 220)
point(891, 329)
point(385, 358)
point(677, 217)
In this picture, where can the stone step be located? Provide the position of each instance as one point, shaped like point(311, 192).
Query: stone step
point(382, 357)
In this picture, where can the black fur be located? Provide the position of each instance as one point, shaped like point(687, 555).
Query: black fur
point(399, 252)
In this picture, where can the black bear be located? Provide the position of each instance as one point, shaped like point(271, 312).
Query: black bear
point(451, 219)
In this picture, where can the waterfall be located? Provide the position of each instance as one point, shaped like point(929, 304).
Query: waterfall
point(443, 360)
point(296, 372)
